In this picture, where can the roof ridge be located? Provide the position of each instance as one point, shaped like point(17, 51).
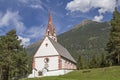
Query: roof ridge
point(62, 50)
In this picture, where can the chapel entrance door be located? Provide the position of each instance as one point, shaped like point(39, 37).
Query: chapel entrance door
point(40, 73)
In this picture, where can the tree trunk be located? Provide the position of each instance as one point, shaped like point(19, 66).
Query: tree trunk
point(5, 73)
point(118, 58)
point(0, 73)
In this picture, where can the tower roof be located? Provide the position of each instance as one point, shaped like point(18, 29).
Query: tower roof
point(50, 26)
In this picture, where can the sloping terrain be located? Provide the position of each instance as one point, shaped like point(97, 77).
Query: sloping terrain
point(107, 73)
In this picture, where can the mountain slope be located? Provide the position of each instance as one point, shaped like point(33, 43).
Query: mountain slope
point(86, 38)
point(89, 37)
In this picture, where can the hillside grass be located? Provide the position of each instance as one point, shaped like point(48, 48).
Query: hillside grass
point(107, 73)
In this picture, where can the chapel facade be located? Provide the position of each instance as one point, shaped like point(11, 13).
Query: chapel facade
point(51, 58)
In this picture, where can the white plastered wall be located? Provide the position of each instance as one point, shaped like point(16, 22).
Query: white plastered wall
point(52, 64)
point(46, 50)
point(63, 63)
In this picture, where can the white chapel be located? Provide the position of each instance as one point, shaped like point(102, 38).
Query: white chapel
point(51, 58)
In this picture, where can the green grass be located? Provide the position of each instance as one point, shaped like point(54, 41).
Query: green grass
point(108, 73)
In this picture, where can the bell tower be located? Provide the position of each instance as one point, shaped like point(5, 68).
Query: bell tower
point(50, 31)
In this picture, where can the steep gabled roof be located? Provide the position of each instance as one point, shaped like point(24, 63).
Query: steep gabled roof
point(62, 51)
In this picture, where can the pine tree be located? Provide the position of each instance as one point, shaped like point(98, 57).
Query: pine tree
point(103, 60)
point(79, 63)
point(94, 62)
point(113, 46)
point(13, 58)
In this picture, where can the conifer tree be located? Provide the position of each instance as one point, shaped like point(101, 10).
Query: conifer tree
point(13, 59)
point(113, 46)
point(94, 62)
point(79, 63)
point(103, 60)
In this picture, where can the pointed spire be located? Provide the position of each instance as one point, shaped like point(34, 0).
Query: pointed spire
point(50, 18)
point(50, 27)
point(50, 31)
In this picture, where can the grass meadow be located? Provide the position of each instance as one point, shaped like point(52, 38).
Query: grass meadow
point(107, 73)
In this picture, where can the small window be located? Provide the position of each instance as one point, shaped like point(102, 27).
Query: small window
point(46, 44)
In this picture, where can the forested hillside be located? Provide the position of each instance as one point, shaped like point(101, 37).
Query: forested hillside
point(88, 37)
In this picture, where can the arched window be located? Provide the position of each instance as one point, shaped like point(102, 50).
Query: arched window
point(48, 32)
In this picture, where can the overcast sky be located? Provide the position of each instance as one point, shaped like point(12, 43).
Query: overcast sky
point(29, 17)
